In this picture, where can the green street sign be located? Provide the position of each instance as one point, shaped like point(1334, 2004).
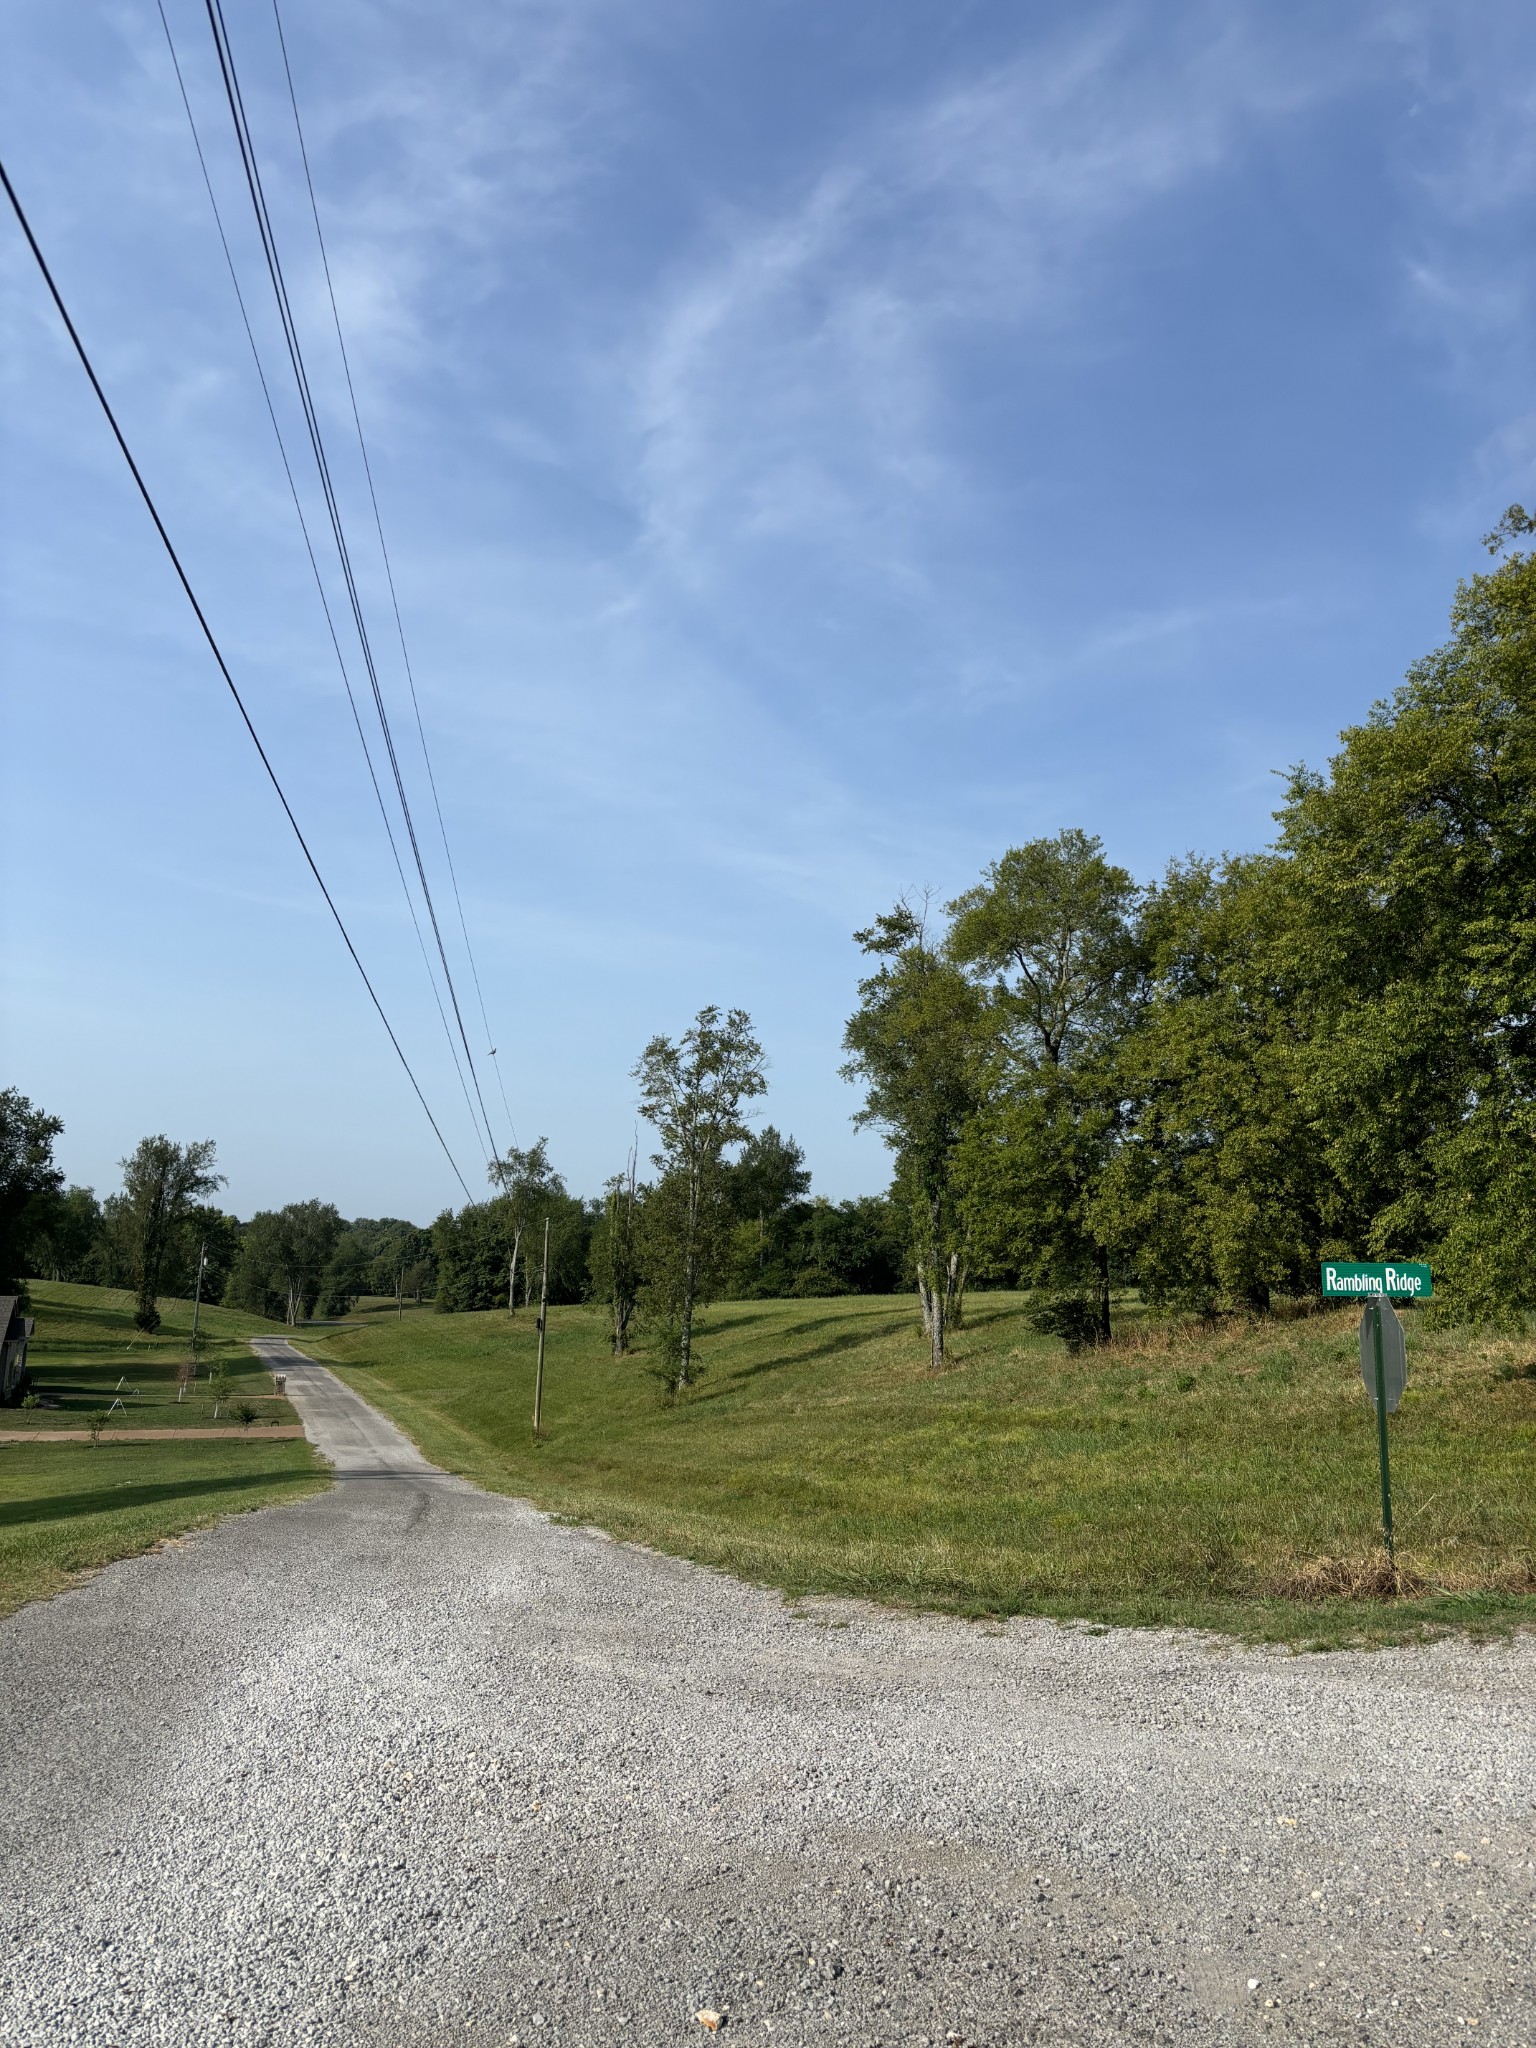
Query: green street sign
point(1349, 1280)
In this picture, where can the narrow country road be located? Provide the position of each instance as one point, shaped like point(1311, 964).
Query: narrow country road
point(408, 1764)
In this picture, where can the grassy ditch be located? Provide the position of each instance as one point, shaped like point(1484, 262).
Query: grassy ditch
point(1223, 1480)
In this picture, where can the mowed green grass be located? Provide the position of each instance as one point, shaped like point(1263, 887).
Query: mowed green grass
point(68, 1508)
point(86, 1354)
point(1174, 1478)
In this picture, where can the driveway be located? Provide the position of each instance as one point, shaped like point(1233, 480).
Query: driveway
point(408, 1763)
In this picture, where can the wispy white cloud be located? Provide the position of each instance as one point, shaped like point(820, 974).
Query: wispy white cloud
point(801, 379)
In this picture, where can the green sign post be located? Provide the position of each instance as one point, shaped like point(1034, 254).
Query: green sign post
point(1384, 1368)
point(1383, 1352)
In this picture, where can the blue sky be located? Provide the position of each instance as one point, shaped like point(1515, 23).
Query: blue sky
point(820, 448)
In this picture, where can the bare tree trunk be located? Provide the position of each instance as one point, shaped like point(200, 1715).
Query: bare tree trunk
point(954, 1292)
point(1101, 1264)
point(517, 1238)
point(621, 1253)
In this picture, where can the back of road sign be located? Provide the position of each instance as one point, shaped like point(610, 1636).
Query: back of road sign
point(1394, 1353)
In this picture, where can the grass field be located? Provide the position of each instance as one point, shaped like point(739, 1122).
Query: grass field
point(1223, 1480)
point(86, 1354)
point(67, 1508)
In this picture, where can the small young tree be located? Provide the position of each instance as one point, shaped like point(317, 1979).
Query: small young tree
point(615, 1255)
point(693, 1094)
point(161, 1182)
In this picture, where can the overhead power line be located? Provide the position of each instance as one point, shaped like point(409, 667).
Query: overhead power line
point(223, 666)
point(389, 572)
point(251, 166)
point(282, 449)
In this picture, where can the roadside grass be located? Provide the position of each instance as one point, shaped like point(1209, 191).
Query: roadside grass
point(86, 1354)
point(1223, 1480)
point(67, 1509)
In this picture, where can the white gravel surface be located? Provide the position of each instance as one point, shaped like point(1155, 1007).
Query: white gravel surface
point(408, 1763)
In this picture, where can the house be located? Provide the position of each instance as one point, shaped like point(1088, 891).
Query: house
point(15, 1329)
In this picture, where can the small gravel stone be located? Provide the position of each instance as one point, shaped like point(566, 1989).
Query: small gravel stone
point(409, 1762)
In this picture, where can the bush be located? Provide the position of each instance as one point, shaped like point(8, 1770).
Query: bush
point(1072, 1317)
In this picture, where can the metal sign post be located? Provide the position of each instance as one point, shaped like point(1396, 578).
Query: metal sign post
point(1384, 1368)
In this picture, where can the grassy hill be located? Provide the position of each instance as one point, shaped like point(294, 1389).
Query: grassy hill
point(68, 1508)
point(1225, 1479)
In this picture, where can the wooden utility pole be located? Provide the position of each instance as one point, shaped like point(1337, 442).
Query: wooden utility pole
point(538, 1377)
point(197, 1297)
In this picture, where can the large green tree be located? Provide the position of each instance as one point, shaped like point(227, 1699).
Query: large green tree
point(28, 1178)
point(1049, 936)
point(61, 1231)
point(283, 1259)
point(1219, 1189)
point(765, 1185)
point(472, 1250)
point(693, 1092)
point(1413, 866)
point(529, 1191)
point(162, 1183)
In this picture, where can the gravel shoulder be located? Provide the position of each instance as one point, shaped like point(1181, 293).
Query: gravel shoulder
point(407, 1763)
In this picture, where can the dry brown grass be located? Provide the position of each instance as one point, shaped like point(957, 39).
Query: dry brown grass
point(1376, 1577)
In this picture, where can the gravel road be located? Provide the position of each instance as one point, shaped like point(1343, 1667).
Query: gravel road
point(408, 1764)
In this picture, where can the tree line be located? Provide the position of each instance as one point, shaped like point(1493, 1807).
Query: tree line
point(1208, 1085)
point(1202, 1086)
point(160, 1237)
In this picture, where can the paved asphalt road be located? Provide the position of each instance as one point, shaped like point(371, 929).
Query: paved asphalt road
point(408, 1764)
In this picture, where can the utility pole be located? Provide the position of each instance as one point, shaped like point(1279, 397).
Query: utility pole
point(197, 1296)
point(538, 1378)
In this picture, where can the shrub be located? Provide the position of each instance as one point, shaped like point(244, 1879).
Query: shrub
point(1074, 1318)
